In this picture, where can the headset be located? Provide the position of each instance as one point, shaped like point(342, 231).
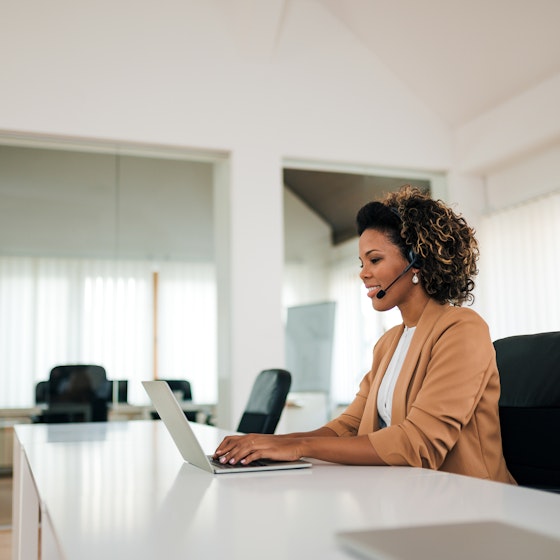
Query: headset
point(414, 260)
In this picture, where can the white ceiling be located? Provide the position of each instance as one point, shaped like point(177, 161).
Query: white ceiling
point(461, 58)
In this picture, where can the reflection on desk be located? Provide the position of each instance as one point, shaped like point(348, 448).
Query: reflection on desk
point(117, 411)
point(124, 492)
point(121, 411)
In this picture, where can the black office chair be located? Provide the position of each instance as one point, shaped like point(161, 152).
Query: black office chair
point(77, 393)
point(180, 386)
point(184, 387)
point(266, 402)
point(529, 367)
point(41, 392)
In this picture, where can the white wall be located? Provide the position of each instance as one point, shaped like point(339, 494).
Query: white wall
point(529, 177)
point(307, 236)
point(512, 131)
point(70, 203)
point(512, 149)
point(175, 73)
point(307, 252)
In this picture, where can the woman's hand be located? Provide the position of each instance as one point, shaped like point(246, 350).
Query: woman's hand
point(248, 448)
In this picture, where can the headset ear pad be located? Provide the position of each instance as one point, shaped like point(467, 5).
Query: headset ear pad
point(414, 259)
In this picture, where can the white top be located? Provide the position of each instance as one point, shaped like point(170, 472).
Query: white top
point(387, 388)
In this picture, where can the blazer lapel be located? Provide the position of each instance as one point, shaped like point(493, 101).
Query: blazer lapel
point(370, 418)
point(427, 320)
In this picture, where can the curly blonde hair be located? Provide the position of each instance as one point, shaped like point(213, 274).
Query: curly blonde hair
point(444, 245)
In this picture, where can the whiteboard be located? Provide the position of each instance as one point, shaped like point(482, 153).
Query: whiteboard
point(309, 344)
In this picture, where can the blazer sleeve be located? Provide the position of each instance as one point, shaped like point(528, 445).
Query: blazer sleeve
point(352, 419)
point(453, 370)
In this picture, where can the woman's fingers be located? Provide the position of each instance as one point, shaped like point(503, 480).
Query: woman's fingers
point(251, 447)
point(224, 447)
point(244, 449)
point(231, 446)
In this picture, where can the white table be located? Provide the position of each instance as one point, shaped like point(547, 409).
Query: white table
point(121, 490)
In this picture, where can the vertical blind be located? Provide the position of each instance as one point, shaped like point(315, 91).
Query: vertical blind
point(357, 328)
point(63, 311)
point(517, 287)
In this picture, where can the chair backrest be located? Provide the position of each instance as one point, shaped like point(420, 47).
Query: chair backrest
point(529, 367)
point(41, 392)
point(266, 402)
point(180, 386)
point(79, 384)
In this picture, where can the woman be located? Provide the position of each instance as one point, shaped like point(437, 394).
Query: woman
point(431, 397)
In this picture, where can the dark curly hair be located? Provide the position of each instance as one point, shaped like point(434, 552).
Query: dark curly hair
point(446, 248)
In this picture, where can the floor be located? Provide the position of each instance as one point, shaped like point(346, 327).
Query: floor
point(5, 517)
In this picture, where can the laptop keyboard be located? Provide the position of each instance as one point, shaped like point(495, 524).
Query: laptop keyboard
point(238, 465)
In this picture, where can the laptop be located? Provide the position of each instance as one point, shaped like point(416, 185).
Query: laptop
point(479, 540)
point(178, 426)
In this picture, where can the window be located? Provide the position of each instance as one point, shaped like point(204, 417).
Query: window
point(519, 268)
point(57, 311)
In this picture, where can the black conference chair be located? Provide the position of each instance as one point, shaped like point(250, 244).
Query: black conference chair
point(183, 387)
point(41, 392)
point(180, 386)
point(77, 393)
point(266, 402)
point(529, 367)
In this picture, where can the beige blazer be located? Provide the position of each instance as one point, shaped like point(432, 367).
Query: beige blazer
point(445, 404)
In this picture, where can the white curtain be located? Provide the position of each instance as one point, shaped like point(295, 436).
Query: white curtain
point(187, 346)
point(61, 311)
point(355, 332)
point(17, 332)
point(517, 287)
point(357, 328)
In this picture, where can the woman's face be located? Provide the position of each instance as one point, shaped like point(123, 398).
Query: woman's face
point(382, 262)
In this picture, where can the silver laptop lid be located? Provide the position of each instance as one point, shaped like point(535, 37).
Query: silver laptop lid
point(177, 424)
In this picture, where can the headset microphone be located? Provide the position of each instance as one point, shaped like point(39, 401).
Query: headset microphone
point(381, 293)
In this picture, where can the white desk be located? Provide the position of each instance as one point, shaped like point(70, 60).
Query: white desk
point(121, 490)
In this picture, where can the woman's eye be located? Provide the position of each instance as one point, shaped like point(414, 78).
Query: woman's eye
point(374, 261)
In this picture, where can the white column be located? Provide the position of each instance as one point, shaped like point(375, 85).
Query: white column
point(249, 254)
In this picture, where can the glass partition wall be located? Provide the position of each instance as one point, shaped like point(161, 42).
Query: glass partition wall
point(105, 258)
